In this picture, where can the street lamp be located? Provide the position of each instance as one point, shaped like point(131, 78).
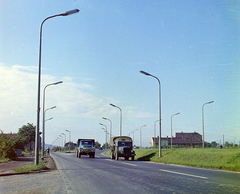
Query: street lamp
point(49, 119)
point(120, 117)
point(110, 125)
point(105, 138)
point(58, 139)
point(171, 125)
point(155, 128)
point(43, 136)
point(39, 81)
point(133, 135)
point(141, 135)
point(69, 138)
point(64, 140)
point(145, 73)
point(106, 133)
point(203, 120)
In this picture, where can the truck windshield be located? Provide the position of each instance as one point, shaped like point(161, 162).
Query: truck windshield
point(121, 144)
point(86, 143)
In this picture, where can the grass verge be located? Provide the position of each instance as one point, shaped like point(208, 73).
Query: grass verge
point(32, 167)
point(227, 158)
point(4, 160)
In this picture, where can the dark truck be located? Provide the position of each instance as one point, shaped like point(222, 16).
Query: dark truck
point(86, 147)
point(121, 146)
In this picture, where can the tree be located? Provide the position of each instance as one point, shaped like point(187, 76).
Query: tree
point(97, 145)
point(105, 146)
point(7, 149)
point(213, 144)
point(27, 134)
point(18, 142)
point(226, 144)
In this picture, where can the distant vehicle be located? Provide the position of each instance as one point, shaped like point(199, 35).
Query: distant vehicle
point(121, 146)
point(86, 147)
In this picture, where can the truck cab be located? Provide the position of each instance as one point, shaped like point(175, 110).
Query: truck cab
point(121, 146)
point(86, 147)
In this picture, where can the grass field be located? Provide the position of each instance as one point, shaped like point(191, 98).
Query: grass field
point(227, 158)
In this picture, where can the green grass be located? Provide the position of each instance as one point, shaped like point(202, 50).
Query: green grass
point(3, 160)
point(32, 167)
point(227, 158)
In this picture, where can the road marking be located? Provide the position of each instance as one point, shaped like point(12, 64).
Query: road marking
point(129, 164)
point(122, 162)
point(201, 177)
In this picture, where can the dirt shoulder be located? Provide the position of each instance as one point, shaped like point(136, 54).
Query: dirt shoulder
point(8, 168)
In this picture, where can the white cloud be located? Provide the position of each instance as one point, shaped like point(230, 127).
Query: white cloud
point(76, 108)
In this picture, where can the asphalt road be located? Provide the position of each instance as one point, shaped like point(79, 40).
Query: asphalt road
point(103, 175)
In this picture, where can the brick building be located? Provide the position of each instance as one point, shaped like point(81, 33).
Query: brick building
point(186, 139)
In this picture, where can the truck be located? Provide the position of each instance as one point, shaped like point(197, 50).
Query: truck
point(86, 147)
point(121, 146)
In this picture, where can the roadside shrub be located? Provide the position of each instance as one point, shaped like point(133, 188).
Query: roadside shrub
point(7, 149)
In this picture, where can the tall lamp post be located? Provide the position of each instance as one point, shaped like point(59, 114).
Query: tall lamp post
point(110, 126)
point(58, 139)
point(145, 73)
point(171, 125)
point(120, 117)
point(155, 128)
point(133, 135)
point(64, 140)
point(106, 132)
point(105, 138)
point(203, 120)
point(43, 136)
point(69, 137)
point(141, 135)
point(39, 81)
point(42, 141)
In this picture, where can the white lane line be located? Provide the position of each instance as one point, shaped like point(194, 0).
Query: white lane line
point(201, 177)
point(129, 164)
point(122, 162)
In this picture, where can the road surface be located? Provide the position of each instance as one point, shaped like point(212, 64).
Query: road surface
point(103, 175)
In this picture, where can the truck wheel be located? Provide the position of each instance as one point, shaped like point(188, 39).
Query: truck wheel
point(79, 155)
point(90, 155)
point(93, 156)
point(112, 156)
point(126, 158)
point(132, 158)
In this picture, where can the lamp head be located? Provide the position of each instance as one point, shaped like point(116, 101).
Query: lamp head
point(58, 82)
point(112, 105)
point(145, 73)
point(70, 12)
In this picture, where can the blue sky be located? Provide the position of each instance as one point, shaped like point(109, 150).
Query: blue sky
point(191, 46)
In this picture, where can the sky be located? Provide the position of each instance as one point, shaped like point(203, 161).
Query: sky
point(192, 47)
